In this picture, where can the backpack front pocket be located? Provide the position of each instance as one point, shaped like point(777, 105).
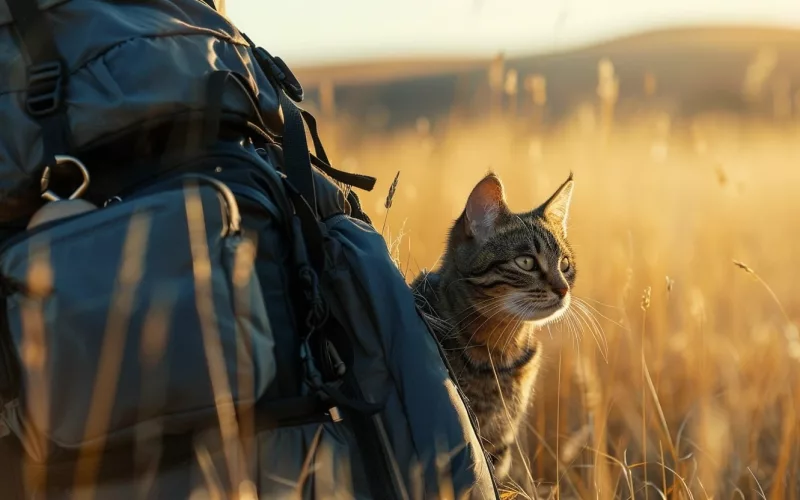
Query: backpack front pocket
point(139, 319)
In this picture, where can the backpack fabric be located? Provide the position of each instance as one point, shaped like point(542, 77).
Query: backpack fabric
point(227, 319)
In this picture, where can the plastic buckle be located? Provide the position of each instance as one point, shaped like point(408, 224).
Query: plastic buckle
point(281, 72)
point(290, 82)
point(45, 88)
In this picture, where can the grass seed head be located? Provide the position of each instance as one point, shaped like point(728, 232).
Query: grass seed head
point(646, 298)
point(392, 189)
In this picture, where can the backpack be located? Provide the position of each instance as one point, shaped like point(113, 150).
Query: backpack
point(192, 301)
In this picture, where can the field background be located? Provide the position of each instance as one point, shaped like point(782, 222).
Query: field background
point(684, 146)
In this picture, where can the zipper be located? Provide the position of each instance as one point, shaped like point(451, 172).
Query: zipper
point(160, 185)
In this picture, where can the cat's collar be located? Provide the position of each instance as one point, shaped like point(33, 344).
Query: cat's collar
point(518, 363)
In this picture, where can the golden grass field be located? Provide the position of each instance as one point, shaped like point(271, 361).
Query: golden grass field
point(689, 385)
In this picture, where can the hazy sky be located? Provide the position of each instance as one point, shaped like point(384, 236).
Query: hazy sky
point(310, 31)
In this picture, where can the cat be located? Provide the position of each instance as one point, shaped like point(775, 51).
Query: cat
point(503, 275)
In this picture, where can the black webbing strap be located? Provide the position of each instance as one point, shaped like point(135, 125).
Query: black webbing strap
point(47, 77)
point(289, 92)
point(300, 177)
point(320, 160)
point(319, 150)
point(296, 157)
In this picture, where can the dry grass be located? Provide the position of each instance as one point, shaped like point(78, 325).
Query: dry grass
point(684, 382)
point(699, 394)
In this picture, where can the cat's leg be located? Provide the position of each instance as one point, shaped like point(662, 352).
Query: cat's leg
point(501, 459)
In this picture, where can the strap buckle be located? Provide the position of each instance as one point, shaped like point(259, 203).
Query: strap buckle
point(45, 88)
point(280, 72)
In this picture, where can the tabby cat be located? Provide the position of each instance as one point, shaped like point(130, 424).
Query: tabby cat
point(503, 275)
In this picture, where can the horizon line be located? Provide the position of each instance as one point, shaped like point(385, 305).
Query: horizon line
point(580, 43)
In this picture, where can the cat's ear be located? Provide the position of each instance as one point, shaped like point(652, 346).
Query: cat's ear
point(556, 209)
point(485, 203)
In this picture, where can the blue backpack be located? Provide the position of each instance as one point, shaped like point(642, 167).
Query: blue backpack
point(192, 300)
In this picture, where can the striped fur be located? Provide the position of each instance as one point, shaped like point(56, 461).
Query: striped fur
point(503, 275)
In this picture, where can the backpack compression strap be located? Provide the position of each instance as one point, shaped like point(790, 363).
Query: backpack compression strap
point(47, 77)
point(290, 92)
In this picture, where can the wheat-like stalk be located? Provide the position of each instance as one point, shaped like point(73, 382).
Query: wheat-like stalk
point(389, 199)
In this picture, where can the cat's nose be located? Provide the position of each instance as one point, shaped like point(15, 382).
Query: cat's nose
point(561, 292)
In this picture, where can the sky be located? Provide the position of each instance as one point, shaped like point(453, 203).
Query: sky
point(305, 32)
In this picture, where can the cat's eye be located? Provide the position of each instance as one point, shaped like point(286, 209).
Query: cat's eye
point(565, 264)
point(525, 262)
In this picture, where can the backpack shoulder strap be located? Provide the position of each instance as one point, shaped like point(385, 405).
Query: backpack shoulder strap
point(47, 77)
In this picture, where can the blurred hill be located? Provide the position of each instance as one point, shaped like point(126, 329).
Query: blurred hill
point(684, 71)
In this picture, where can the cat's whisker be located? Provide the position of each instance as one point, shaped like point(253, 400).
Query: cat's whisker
point(476, 307)
point(598, 327)
point(500, 307)
point(459, 327)
point(512, 333)
point(573, 326)
point(549, 331)
point(514, 320)
point(481, 302)
point(502, 333)
point(573, 323)
point(529, 309)
point(469, 341)
point(455, 325)
point(572, 329)
point(480, 307)
point(595, 328)
point(596, 311)
point(603, 304)
point(580, 320)
point(590, 315)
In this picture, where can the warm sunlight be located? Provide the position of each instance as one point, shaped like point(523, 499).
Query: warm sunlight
point(317, 31)
point(409, 250)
